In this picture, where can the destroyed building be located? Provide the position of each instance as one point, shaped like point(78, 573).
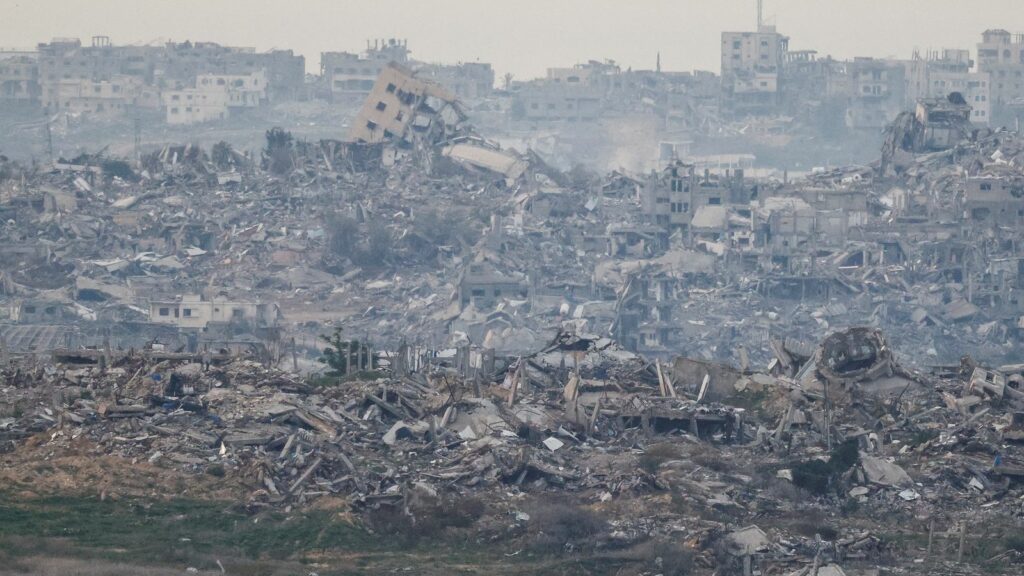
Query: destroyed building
point(794, 373)
point(401, 105)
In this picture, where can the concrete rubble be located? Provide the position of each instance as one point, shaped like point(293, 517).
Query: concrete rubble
point(579, 417)
point(731, 355)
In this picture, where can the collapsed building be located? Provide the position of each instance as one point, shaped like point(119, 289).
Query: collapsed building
point(506, 326)
point(936, 124)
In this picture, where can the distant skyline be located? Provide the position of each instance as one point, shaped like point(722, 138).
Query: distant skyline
point(524, 37)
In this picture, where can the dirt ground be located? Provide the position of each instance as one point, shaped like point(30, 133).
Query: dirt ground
point(78, 467)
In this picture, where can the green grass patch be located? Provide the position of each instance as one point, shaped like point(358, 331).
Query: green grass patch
point(324, 381)
point(171, 532)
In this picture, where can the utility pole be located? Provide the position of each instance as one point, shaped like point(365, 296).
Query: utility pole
point(49, 134)
point(138, 136)
point(760, 14)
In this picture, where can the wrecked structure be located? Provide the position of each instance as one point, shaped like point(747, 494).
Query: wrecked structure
point(714, 348)
point(400, 105)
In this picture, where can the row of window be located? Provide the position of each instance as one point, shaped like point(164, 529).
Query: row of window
point(481, 292)
point(187, 312)
point(177, 97)
point(50, 310)
point(237, 82)
point(677, 185)
point(685, 206)
point(363, 71)
point(736, 44)
point(550, 106)
point(353, 84)
point(21, 71)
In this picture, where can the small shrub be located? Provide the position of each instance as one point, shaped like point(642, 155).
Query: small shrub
point(553, 525)
point(922, 436)
point(711, 461)
point(391, 521)
point(426, 521)
point(654, 456)
point(812, 475)
point(812, 524)
point(818, 476)
point(671, 558)
point(844, 456)
point(450, 513)
point(120, 169)
point(779, 489)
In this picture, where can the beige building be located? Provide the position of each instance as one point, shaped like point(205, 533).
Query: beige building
point(401, 103)
point(1001, 55)
point(192, 311)
point(751, 65)
point(97, 97)
point(876, 92)
point(19, 76)
point(993, 200)
point(937, 74)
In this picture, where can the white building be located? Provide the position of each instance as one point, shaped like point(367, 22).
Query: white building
point(214, 96)
point(244, 90)
point(192, 311)
point(938, 74)
point(193, 106)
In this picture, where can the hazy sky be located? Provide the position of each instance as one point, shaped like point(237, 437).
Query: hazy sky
point(523, 37)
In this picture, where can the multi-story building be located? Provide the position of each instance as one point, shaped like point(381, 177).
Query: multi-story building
point(673, 197)
point(244, 90)
point(752, 63)
point(19, 77)
point(546, 101)
point(402, 104)
point(193, 311)
point(195, 105)
point(180, 63)
point(993, 201)
point(578, 93)
point(213, 97)
point(172, 66)
point(65, 59)
point(1001, 55)
point(348, 73)
point(938, 74)
point(876, 93)
point(469, 81)
point(284, 72)
point(96, 97)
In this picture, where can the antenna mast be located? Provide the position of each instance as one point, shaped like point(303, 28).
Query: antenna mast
point(760, 12)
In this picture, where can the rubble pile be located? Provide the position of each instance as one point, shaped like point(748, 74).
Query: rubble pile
point(842, 425)
point(292, 442)
point(725, 357)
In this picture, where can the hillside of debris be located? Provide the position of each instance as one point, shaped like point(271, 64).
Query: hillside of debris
point(844, 459)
